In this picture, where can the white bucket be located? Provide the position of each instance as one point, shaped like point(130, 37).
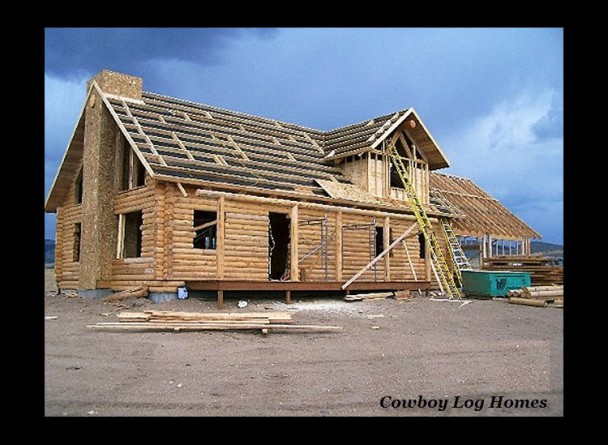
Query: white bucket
point(182, 293)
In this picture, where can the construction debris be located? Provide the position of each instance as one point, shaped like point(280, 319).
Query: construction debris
point(135, 292)
point(541, 296)
point(204, 321)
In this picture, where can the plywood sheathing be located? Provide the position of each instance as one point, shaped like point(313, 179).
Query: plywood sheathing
point(98, 228)
point(118, 84)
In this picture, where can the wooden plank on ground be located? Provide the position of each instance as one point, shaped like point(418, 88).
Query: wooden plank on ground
point(205, 326)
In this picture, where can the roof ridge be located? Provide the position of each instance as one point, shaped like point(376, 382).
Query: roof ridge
point(387, 115)
point(229, 111)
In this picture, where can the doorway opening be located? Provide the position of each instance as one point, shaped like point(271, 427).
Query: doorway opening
point(279, 237)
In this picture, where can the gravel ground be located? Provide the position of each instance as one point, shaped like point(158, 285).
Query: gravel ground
point(393, 358)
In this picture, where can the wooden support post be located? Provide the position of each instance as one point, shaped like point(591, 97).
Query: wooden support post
point(379, 257)
point(287, 297)
point(427, 260)
point(220, 299)
point(490, 246)
point(220, 237)
point(339, 245)
point(386, 241)
point(294, 273)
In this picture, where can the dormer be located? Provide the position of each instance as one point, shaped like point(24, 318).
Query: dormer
point(360, 150)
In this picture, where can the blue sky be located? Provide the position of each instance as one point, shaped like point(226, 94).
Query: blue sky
point(492, 98)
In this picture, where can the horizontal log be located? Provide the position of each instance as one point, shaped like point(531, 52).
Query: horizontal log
point(543, 288)
point(136, 292)
point(132, 283)
point(527, 302)
point(142, 277)
point(543, 293)
point(170, 289)
point(245, 216)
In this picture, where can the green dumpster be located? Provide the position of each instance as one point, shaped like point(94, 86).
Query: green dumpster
point(487, 283)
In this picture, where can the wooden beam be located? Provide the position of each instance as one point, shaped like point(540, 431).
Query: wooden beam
point(386, 210)
point(120, 244)
point(182, 190)
point(379, 257)
point(220, 299)
point(294, 273)
point(287, 297)
point(221, 202)
point(339, 245)
point(204, 226)
point(182, 146)
point(386, 241)
point(406, 147)
point(409, 260)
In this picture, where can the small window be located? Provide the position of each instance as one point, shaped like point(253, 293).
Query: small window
point(78, 188)
point(379, 240)
point(139, 175)
point(205, 230)
point(422, 244)
point(76, 249)
point(125, 168)
point(132, 172)
point(129, 236)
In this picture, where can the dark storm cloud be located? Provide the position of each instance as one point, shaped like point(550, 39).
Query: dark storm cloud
point(551, 124)
point(70, 50)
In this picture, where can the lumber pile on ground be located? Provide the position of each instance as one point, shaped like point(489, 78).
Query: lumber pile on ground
point(541, 296)
point(158, 321)
point(369, 297)
point(542, 272)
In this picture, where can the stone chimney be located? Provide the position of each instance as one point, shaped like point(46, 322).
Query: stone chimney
point(118, 84)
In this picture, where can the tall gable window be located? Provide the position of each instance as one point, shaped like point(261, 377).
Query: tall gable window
point(132, 172)
point(78, 188)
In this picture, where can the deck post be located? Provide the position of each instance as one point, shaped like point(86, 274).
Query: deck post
point(288, 297)
point(220, 299)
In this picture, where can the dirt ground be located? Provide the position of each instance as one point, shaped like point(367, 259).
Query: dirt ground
point(485, 358)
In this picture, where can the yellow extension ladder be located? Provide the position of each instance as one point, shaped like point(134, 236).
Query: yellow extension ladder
point(460, 260)
point(441, 266)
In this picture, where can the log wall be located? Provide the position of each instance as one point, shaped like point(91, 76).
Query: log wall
point(169, 259)
point(67, 271)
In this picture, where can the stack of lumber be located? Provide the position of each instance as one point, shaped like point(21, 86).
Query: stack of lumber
point(542, 273)
point(540, 296)
point(369, 297)
point(208, 321)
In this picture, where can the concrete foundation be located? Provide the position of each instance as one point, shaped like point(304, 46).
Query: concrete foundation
point(160, 297)
point(94, 293)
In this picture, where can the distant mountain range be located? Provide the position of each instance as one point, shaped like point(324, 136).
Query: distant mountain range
point(537, 247)
point(49, 251)
point(547, 248)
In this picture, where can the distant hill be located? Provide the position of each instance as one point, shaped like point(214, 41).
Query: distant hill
point(49, 251)
point(547, 248)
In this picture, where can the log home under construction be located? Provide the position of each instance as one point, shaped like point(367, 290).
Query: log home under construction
point(170, 193)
